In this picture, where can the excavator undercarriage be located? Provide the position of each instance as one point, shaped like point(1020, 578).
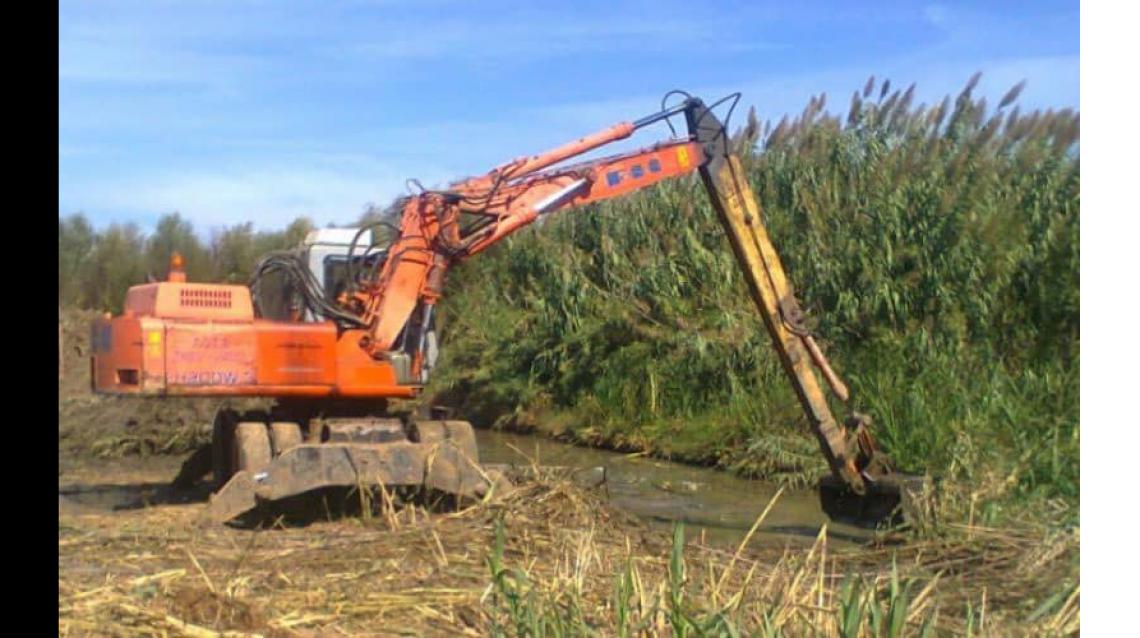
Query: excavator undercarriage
point(335, 329)
point(258, 460)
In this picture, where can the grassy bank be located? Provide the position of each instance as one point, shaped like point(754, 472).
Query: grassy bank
point(937, 248)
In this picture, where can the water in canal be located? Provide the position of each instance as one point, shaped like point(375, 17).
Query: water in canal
point(720, 504)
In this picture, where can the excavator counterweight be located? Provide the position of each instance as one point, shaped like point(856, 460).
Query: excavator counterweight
point(336, 328)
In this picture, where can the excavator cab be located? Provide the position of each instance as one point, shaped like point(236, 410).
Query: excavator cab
point(330, 257)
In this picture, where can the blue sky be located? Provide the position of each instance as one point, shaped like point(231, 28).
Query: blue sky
point(264, 111)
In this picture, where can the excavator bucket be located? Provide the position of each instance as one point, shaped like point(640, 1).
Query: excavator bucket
point(891, 501)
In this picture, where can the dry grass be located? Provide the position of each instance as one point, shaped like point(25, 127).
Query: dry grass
point(568, 562)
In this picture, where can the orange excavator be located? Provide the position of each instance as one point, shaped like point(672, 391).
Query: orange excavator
point(335, 329)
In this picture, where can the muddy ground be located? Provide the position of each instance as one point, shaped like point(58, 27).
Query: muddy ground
point(135, 560)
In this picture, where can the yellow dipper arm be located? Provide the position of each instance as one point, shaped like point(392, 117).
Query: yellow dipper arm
point(848, 447)
point(739, 213)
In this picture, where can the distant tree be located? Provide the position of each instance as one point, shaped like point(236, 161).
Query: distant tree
point(175, 234)
point(269, 241)
point(116, 264)
point(372, 213)
point(96, 268)
point(375, 213)
point(76, 243)
point(295, 233)
point(232, 253)
point(384, 220)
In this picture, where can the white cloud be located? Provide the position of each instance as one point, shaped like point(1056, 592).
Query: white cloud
point(209, 111)
point(334, 185)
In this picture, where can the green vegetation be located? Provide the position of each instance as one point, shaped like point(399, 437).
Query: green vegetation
point(796, 597)
point(937, 248)
point(97, 267)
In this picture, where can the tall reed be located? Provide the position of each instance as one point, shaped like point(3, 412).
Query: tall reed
point(936, 248)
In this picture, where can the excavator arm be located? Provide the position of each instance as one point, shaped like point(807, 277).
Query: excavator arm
point(522, 191)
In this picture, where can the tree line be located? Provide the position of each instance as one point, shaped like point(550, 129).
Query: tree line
point(97, 266)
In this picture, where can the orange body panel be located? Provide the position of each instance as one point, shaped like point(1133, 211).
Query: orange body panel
point(296, 353)
point(180, 300)
point(208, 354)
point(359, 375)
point(205, 355)
point(117, 355)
